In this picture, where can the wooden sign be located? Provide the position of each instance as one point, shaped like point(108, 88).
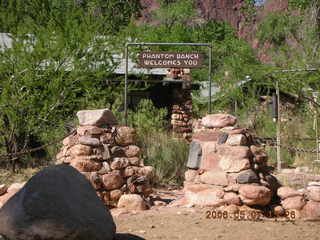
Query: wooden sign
point(162, 59)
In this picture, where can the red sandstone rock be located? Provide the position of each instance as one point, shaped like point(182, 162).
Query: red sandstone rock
point(206, 135)
point(255, 195)
point(228, 11)
point(287, 192)
point(210, 158)
point(94, 179)
point(117, 151)
point(89, 141)
point(237, 152)
point(84, 165)
point(125, 136)
point(115, 195)
point(80, 150)
point(311, 211)
point(144, 189)
point(296, 202)
point(94, 148)
point(112, 180)
point(232, 178)
point(229, 164)
point(218, 120)
point(209, 197)
point(146, 171)
point(105, 168)
point(314, 193)
point(89, 130)
point(232, 188)
point(232, 198)
point(191, 175)
point(119, 163)
point(214, 177)
point(135, 161)
point(132, 202)
point(132, 151)
point(130, 171)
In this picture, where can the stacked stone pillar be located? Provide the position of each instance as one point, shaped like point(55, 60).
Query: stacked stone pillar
point(107, 156)
point(228, 171)
point(181, 118)
point(225, 167)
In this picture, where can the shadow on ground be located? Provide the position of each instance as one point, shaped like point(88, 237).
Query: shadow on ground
point(127, 236)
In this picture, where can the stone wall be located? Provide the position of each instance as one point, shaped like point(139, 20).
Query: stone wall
point(107, 155)
point(303, 203)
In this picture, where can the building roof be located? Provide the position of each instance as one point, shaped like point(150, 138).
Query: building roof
point(133, 67)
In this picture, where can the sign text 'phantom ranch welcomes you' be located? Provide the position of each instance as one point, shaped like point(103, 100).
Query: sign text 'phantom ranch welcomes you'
point(161, 59)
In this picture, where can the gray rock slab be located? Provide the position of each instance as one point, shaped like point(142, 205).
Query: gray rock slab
point(93, 142)
point(195, 154)
point(247, 176)
point(99, 117)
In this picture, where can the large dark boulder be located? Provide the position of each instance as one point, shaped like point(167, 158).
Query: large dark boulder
point(57, 203)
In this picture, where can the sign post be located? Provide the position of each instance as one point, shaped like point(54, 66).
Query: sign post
point(162, 59)
point(278, 128)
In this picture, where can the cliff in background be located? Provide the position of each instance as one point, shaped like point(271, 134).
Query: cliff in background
point(231, 12)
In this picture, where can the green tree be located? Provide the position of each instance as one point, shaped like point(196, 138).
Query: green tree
point(60, 57)
point(174, 12)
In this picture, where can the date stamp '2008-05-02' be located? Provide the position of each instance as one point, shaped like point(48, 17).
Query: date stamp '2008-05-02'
point(249, 215)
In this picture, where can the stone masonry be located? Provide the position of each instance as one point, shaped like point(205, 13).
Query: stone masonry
point(107, 155)
point(181, 119)
point(228, 171)
point(224, 162)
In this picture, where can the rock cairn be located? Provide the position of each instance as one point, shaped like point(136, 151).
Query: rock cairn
point(228, 171)
point(107, 155)
point(181, 119)
point(225, 167)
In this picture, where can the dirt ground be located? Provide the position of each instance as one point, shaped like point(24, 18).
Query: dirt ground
point(192, 224)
